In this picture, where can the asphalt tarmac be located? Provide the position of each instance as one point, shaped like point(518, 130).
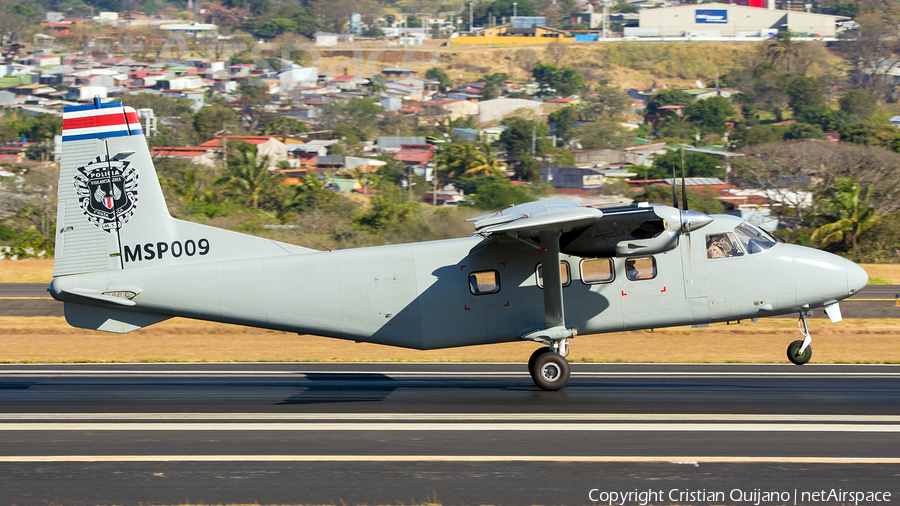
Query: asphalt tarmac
point(32, 299)
point(384, 433)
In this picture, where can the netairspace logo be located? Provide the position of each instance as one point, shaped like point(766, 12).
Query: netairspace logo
point(755, 497)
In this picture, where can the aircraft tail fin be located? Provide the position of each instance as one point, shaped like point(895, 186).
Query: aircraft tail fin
point(102, 173)
point(112, 214)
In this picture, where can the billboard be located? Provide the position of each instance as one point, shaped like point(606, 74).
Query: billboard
point(712, 16)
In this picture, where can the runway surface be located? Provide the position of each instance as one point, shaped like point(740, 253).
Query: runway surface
point(383, 433)
point(32, 299)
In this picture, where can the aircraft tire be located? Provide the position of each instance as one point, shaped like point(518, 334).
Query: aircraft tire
point(534, 356)
point(550, 371)
point(792, 353)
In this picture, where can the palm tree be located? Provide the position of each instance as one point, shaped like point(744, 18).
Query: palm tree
point(485, 163)
point(784, 51)
point(853, 214)
point(249, 173)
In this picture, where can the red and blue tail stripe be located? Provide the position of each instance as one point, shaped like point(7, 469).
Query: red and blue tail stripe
point(99, 121)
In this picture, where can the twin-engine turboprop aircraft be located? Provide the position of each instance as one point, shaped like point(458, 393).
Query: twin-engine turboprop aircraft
point(544, 271)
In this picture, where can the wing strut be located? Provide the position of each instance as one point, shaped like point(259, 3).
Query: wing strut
point(554, 310)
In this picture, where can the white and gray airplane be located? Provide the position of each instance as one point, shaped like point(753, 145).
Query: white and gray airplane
point(539, 272)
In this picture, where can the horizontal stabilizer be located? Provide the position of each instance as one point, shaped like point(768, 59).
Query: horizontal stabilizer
point(108, 319)
point(97, 295)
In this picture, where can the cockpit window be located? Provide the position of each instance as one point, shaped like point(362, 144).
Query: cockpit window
point(753, 238)
point(722, 246)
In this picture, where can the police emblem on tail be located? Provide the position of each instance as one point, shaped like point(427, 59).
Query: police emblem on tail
point(107, 192)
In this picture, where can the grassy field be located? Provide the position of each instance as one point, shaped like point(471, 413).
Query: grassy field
point(50, 339)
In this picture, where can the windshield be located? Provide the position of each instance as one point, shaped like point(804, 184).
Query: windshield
point(753, 238)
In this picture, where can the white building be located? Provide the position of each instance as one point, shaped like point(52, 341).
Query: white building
point(499, 108)
point(726, 20)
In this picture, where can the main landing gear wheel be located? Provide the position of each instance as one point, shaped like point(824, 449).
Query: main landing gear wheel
point(550, 371)
point(799, 359)
point(534, 356)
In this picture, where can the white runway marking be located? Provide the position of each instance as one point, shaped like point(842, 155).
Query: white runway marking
point(419, 417)
point(438, 458)
point(453, 427)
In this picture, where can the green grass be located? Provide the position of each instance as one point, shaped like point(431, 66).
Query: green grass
point(879, 281)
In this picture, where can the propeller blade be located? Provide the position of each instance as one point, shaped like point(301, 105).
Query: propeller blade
point(684, 200)
point(674, 193)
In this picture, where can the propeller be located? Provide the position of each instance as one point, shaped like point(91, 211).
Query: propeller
point(674, 194)
point(684, 199)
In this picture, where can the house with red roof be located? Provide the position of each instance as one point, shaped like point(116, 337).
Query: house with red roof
point(266, 145)
point(415, 154)
point(195, 154)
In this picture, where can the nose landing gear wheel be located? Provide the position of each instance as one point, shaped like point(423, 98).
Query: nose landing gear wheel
point(550, 371)
point(801, 358)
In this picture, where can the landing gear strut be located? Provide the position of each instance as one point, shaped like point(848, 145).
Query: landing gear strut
point(799, 352)
point(548, 366)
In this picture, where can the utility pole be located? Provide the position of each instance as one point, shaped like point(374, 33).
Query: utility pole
point(471, 18)
point(515, 12)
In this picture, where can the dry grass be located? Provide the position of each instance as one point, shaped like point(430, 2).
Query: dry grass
point(889, 272)
point(48, 339)
point(26, 271)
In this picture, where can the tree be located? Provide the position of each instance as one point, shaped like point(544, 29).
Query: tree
point(859, 103)
point(695, 165)
point(825, 117)
point(605, 101)
point(248, 175)
point(804, 91)
point(852, 211)
point(361, 112)
point(802, 131)
point(564, 81)
point(500, 9)
point(214, 118)
point(564, 121)
point(438, 74)
point(667, 97)
point(676, 127)
point(871, 52)
point(792, 173)
point(602, 133)
point(784, 51)
point(469, 160)
point(274, 27)
point(711, 115)
point(519, 138)
point(500, 194)
point(284, 126)
point(870, 134)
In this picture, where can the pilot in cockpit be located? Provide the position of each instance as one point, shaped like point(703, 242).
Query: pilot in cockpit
point(722, 246)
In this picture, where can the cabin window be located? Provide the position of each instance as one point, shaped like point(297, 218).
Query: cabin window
point(640, 268)
point(722, 246)
point(753, 238)
point(597, 270)
point(484, 282)
point(564, 275)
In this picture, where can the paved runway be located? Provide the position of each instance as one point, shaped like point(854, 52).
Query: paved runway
point(457, 433)
point(24, 299)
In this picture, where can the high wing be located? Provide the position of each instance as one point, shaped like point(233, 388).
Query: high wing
point(564, 226)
